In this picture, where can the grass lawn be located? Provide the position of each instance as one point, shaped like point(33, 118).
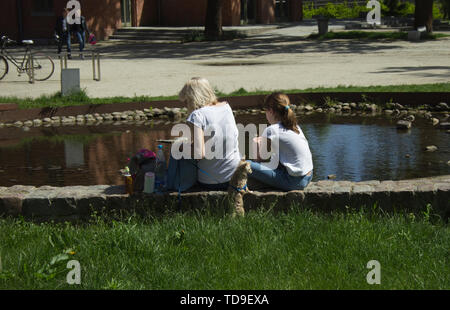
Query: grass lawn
point(299, 250)
point(81, 98)
point(371, 35)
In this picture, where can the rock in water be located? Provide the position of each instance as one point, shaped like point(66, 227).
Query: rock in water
point(434, 121)
point(403, 124)
point(444, 126)
point(409, 118)
point(331, 177)
point(442, 106)
point(431, 148)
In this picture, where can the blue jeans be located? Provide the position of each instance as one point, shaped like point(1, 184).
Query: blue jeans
point(64, 38)
point(278, 178)
point(81, 39)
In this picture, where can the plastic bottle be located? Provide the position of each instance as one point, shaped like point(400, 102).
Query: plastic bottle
point(160, 170)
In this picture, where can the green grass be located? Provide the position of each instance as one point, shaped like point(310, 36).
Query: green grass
point(56, 100)
point(299, 250)
point(81, 98)
point(370, 35)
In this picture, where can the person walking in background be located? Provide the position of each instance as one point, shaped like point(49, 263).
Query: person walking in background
point(62, 32)
point(80, 30)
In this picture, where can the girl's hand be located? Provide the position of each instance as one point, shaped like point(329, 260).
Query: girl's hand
point(260, 144)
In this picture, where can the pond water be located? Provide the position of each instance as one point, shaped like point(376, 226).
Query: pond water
point(353, 148)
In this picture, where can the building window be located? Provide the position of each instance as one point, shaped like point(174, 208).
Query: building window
point(44, 7)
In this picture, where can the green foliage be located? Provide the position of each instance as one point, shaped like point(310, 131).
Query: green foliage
point(388, 8)
point(438, 11)
point(331, 10)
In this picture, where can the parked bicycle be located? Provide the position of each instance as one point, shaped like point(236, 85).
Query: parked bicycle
point(43, 66)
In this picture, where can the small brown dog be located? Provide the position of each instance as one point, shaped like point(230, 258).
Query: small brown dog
point(238, 187)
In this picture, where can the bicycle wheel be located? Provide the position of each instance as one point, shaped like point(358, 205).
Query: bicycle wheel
point(3, 67)
point(43, 67)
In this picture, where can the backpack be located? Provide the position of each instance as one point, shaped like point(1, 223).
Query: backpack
point(142, 162)
point(181, 174)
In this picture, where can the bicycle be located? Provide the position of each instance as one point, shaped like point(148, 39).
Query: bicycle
point(42, 65)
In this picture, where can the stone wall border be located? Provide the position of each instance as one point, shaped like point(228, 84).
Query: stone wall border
point(78, 203)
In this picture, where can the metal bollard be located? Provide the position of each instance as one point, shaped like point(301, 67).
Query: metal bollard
point(96, 58)
point(63, 61)
point(31, 69)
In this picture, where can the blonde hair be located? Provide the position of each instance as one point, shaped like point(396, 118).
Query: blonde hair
point(197, 93)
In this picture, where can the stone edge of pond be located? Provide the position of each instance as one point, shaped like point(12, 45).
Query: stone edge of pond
point(405, 115)
point(78, 203)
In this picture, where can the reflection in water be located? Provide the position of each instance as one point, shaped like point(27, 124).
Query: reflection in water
point(352, 148)
point(74, 153)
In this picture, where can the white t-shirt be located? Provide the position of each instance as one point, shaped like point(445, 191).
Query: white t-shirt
point(293, 151)
point(221, 143)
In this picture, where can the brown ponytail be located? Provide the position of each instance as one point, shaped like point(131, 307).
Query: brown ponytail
point(280, 104)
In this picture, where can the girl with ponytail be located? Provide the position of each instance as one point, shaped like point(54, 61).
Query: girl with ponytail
point(290, 149)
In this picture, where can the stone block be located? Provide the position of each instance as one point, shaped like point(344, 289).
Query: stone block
point(442, 186)
point(357, 188)
point(425, 188)
point(319, 200)
point(326, 184)
point(11, 206)
point(70, 81)
point(413, 35)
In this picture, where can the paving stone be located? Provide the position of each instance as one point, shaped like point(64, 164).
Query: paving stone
point(326, 183)
point(344, 184)
point(425, 188)
point(342, 189)
point(442, 186)
point(361, 188)
point(371, 183)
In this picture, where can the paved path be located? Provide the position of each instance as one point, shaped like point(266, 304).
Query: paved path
point(276, 59)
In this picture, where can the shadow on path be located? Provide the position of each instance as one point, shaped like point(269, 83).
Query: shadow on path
point(444, 71)
point(242, 48)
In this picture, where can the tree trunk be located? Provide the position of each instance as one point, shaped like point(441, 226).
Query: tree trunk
point(213, 22)
point(423, 15)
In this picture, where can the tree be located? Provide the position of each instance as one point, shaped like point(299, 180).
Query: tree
point(445, 4)
point(423, 15)
point(213, 22)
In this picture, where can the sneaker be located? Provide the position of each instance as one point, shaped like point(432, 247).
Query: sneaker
point(81, 56)
point(69, 56)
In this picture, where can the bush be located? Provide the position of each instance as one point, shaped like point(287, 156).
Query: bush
point(388, 8)
point(339, 11)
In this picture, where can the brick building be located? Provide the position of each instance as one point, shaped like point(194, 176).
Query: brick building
point(35, 19)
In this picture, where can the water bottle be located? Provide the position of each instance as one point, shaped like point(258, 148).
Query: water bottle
point(160, 171)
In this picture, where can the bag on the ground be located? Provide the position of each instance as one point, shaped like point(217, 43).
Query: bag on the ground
point(181, 174)
point(142, 162)
point(92, 40)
